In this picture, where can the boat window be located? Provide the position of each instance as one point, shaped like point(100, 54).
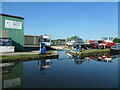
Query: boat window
point(46, 40)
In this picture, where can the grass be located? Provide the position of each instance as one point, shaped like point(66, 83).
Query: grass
point(49, 51)
point(91, 52)
point(17, 57)
point(67, 47)
point(49, 54)
point(29, 57)
point(95, 51)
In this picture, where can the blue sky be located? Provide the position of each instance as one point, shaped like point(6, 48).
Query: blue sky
point(89, 20)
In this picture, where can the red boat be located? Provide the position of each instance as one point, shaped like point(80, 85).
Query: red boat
point(107, 44)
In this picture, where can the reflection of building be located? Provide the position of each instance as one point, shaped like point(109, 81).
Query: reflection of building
point(13, 27)
point(13, 78)
point(6, 67)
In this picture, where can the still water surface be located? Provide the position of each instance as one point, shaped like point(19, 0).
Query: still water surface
point(66, 72)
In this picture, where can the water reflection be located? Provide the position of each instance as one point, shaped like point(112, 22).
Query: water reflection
point(6, 68)
point(44, 64)
point(72, 72)
point(77, 60)
point(102, 58)
point(12, 75)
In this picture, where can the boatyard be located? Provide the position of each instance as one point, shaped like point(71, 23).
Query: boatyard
point(59, 45)
point(24, 43)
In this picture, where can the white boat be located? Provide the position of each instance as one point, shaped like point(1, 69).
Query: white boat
point(69, 54)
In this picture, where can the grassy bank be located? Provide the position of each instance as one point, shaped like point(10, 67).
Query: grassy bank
point(29, 57)
point(90, 52)
point(95, 51)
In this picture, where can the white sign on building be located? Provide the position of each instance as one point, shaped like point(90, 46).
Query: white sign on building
point(13, 24)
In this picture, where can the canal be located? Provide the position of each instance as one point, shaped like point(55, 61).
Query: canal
point(64, 72)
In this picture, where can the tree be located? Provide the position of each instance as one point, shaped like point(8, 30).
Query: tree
point(74, 37)
point(116, 40)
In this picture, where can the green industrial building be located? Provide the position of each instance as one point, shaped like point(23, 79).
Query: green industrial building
point(13, 27)
point(58, 42)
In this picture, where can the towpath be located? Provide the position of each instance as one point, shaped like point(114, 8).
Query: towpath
point(19, 53)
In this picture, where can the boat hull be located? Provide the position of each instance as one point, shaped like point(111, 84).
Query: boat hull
point(117, 51)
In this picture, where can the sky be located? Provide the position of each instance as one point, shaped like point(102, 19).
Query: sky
point(89, 20)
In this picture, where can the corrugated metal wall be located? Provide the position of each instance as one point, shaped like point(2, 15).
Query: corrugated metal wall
point(28, 40)
point(31, 40)
point(17, 35)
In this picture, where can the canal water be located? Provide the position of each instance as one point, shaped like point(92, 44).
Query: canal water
point(64, 72)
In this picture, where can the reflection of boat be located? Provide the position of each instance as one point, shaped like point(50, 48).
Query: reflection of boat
point(48, 61)
point(101, 58)
point(104, 58)
point(76, 59)
point(70, 56)
point(45, 64)
point(108, 59)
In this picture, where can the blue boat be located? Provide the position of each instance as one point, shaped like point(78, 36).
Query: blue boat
point(115, 48)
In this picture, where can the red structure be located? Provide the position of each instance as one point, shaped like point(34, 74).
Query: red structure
point(102, 44)
point(92, 42)
point(107, 44)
